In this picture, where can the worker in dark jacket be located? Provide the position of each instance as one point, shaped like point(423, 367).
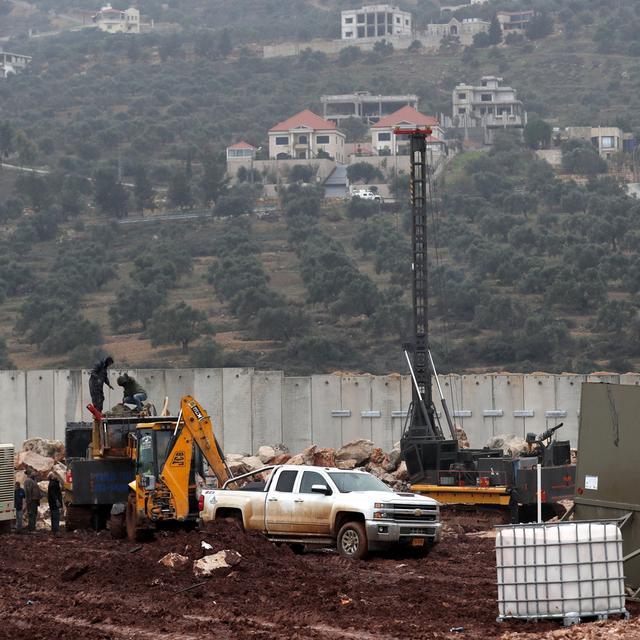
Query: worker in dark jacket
point(18, 501)
point(32, 495)
point(98, 378)
point(54, 497)
point(133, 392)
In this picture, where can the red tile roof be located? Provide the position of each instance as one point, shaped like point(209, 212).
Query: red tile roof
point(241, 145)
point(408, 115)
point(305, 118)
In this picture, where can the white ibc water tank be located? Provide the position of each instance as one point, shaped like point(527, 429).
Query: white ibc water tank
point(567, 570)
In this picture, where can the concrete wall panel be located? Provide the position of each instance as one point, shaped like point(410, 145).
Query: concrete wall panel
point(13, 407)
point(40, 404)
point(385, 395)
point(178, 383)
point(154, 383)
point(508, 395)
point(207, 390)
point(539, 395)
point(630, 378)
point(568, 399)
point(477, 397)
point(236, 410)
point(356, 397)
point(266, 399)
point(325, 397)
point(67, 407)
point(612, 378)
point(296, 413)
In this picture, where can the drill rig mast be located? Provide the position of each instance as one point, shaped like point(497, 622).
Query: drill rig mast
point(423, 444)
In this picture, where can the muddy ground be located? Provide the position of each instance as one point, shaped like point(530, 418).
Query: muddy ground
point(82, 586)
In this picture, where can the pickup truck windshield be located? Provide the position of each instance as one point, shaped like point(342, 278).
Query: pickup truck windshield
point(347, 482)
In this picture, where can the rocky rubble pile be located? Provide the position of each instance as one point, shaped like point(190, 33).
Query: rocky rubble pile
point(360, 454)
point(41, 457)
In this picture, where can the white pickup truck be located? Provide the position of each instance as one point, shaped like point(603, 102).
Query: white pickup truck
point(327, 507)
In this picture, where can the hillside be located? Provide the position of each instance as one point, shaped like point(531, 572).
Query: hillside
point(548, 285)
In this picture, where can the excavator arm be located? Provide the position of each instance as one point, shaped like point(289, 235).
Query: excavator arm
point(194, 425)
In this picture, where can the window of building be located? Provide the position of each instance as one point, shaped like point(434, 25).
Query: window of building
point(482, 111)
point(462, 110)
point(384, 137)
point(280, 140)
point(348, 20)
point(607, 142)
point(380, 18)
point(486, 97)
point(361, 18)
point(309, 478)
point(348, 34)
point(381, 29)
point(484, 83)
point(490, 110)
point(303, 139)
point(360, 32)
point(462, 96)
point(371, 31)
point(286, 481)
point(371, 18)
point(398, 21)
point(406, 21)
point(322, 139)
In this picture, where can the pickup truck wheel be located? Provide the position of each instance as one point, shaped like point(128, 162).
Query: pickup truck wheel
point(234, 520)
point(352, 541)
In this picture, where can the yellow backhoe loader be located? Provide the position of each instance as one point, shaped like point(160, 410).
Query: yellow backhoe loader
point(163, 490)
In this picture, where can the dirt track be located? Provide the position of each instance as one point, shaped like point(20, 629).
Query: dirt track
point(272, 593)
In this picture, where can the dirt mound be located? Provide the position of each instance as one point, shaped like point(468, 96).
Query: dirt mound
point(86, 586)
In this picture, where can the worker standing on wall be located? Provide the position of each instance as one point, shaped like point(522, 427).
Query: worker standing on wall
point(133, 392)
point(33, 494)
point(98, 378)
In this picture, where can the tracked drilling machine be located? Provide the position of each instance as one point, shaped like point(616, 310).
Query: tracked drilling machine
point(504, 487)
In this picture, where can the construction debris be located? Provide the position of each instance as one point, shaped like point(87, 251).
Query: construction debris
point(172, 560)
point(204, 567)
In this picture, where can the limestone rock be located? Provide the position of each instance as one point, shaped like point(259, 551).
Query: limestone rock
point(346, 464)
point(236, 464)
point(46, 448)
point(266, 453)
point(401, 472)
point(173, 560)
point(324, 457)
point(308, 454)
point(252, 462)
point(378, 456)
point(221, 560)
point(359, 450)
point(511, 444)
point(463, 440)
point(393, 460)
point(40, 465)
point(283, 458)
point(60, 471)
point(377, 471)
point(297, 459)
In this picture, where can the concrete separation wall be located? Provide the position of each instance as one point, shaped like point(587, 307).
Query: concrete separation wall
point(251, 408)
